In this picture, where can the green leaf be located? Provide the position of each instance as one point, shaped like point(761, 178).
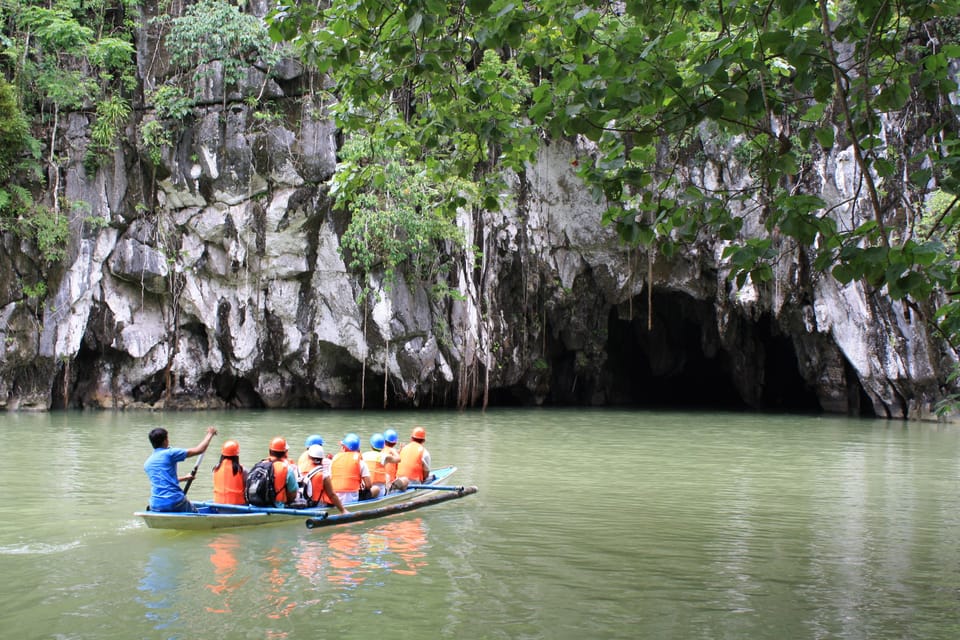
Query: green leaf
point(776, 41)
point(710, 68)
point(414, 23)
point(736, 95)
point(925, 253)
point(825, 136)
point(713, 108)
point(763, 273)
point(884, 167)
point(893, 97)
point(874, 255)
point(920, 177)
point(913, 284)
point(844, 273)
point(478, 7)
point(628, 230)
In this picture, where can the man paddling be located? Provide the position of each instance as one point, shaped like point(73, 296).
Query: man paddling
point(161, 468)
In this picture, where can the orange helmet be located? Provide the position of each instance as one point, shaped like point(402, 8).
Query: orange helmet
point(278, 444)
point(230, 448)
point(419, 433)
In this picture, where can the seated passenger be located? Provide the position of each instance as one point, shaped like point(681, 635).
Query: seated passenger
point(229, 480)
point(414, 458)
point(377, 461)
point(304, 460)
point(284, 474)
point(316, 487)
point(390, 438)
point(349, 472)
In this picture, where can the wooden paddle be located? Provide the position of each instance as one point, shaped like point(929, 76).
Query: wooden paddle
point(193, 474)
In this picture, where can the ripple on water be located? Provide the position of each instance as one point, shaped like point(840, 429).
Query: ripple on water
point(131, 525)
point(37, 548)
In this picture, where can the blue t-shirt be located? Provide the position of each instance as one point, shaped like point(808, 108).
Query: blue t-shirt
point(161, 468)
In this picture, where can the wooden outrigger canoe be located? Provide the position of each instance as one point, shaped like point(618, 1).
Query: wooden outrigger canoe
point(448, 493)
point(211, 515)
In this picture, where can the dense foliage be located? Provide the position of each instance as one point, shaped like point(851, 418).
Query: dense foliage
point(398, 218)
point(56, 57)
point(60, 57)
point(468, 88)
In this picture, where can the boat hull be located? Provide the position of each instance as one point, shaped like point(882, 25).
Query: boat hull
point(209, 518)
point(211, 515)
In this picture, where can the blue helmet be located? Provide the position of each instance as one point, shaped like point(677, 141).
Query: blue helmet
point(390, 436)
point(376, 441)
point(351, 441)
point(314, 439)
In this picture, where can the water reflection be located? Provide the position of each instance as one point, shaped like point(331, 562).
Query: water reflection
point(279, 602)
point(346, 559)
point(158, 586)
point(345, 562)
point(224, 560)
point(297, 571)
point(407, 540)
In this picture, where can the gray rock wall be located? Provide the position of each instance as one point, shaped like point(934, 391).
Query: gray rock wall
point(215, 280)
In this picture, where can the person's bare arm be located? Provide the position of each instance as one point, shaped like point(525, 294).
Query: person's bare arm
point(328, 489)
point(200, 448)
point(365, 481)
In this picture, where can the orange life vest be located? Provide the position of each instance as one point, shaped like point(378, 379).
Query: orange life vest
point(280, 479)
point(345, 471)
point(313, 484)
point(227, 485)
point(378, 472)
point(391, 467)
point(411, 461)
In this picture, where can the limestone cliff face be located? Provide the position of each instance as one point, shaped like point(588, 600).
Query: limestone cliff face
point(215, 279)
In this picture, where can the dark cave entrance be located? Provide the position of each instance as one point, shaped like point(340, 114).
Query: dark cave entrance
point(678, 361)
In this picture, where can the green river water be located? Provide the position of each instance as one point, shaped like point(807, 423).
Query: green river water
point(587, 524)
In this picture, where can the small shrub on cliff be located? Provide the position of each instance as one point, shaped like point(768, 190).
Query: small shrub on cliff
point(213, 30)
point(398, 217)
point(112, 115)
point(171, 106)
point(171, 103)
point(19, 152)
point(14, 131)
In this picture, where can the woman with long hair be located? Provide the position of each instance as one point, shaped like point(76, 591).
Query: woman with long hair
point(229, 480)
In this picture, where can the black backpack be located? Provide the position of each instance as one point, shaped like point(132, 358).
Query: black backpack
point(261, 490)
